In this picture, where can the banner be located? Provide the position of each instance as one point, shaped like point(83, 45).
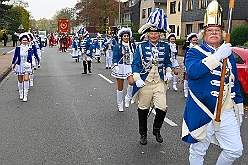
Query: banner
point(63, 25)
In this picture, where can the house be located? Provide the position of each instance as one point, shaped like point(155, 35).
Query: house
point(193, 14)
point(131, 13)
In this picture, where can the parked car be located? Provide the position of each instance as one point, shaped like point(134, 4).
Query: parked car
point(241, 57)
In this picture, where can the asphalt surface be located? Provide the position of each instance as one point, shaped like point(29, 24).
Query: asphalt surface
point(71, 118)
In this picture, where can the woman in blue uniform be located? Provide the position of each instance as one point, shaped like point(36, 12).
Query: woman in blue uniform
point(122, 59)
point(21, 64)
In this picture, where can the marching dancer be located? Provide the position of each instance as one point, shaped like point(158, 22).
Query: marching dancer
point(87, 53)
point(109, 43)
point(192, 39)
point(204, 67)
point(76, 46)
point(21, 64)
point(122, 59)
point(151, 70)
point(99, 46)
point(35, 57)
point(173, 54)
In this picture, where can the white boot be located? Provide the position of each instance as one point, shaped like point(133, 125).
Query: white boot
point(20, 87)
point(128, 96)
point(175, 78)
point(186, 88)
point(120, 100)
point(31, 80)
point(26, 86)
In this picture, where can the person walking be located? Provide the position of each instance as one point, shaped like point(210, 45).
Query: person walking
point(173, 54)
point(192, 40)
point(5, 38)
point(14, 39)
point(204, 66)
point(99, 46)
point(109, 42)
point(87, 55)
point(151, 70)
point(122, 59)
point(21, 64)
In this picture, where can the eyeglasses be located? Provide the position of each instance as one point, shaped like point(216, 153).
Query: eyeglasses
point(213, 30)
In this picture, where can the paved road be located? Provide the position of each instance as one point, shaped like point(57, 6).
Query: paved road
point(72, 118)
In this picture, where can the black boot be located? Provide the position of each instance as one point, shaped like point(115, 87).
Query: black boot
point(85, 67)
point(89, 66)
point(158, 122)
point(143, 125)
point(98, 60)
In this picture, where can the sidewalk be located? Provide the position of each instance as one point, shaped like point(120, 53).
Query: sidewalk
point(5, 61)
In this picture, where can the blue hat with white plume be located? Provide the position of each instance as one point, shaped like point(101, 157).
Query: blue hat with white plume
point(81, 30)
point(125, 30)
point(156, 22)
point(192, 35)
point(24, 35)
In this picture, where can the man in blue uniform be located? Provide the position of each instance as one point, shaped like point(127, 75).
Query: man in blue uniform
point(151, 69)
point(87, 53)
point(204, 65)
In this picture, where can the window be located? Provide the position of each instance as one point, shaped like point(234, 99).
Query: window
point(144, 13)
point(127, 17)
point(179, 6)
point(131, 3)
point(189, 5)
point(173, 7)
point(149, 11)
point(238, 59)
point(172, 27)
point(178, 30)
point(203, 4)
point(200, 26)
point(188, 29)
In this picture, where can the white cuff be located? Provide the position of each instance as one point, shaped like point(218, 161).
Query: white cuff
point(136, 76)
point(211, 62)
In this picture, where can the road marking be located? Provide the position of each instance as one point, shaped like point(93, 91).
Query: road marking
point(168, 121)
point(11, 51)
point(105, 78)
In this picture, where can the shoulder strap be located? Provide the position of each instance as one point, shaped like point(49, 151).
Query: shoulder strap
point(201, 50)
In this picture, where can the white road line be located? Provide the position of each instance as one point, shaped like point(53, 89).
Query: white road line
point(105, 78)
point(168, 121)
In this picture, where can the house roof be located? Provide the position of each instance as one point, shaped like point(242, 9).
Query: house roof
point(160, 1)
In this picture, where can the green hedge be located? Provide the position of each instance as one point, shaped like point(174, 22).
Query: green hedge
point(239, 35)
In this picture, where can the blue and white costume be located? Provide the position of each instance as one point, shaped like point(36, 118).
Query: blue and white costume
point(22, 55)
point(123, 60)
point(87, 50)
point(109, 44)
point(76, 46)
point(99, 47)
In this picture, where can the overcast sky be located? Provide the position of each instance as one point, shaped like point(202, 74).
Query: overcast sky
point(47, 8)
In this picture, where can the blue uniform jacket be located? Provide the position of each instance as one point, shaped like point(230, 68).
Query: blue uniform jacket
point(117, 54)
point(17, 56)
point(200, 80)
point(113, 41)
point(76, 44)
point(143, 51)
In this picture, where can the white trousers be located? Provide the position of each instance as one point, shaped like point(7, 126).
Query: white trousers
point(228, 137)
point(109, 58)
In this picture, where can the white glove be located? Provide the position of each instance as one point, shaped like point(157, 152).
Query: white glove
point(88, 52)
point(168, 76)
point(224, 51)
point(140, 83)
point(115, 68)
point(73, 48)
point(94, 50)
point(240, 119)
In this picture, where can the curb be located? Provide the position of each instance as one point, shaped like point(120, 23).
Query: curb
point(5, 74)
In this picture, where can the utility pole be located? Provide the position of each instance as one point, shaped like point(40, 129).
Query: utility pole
point(119, 13)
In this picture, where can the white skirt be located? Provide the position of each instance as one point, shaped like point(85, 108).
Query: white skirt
point(174, 63)
point(21, 70)
point(124, 71)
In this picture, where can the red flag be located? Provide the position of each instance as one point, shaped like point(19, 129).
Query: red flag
point(63, 25)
